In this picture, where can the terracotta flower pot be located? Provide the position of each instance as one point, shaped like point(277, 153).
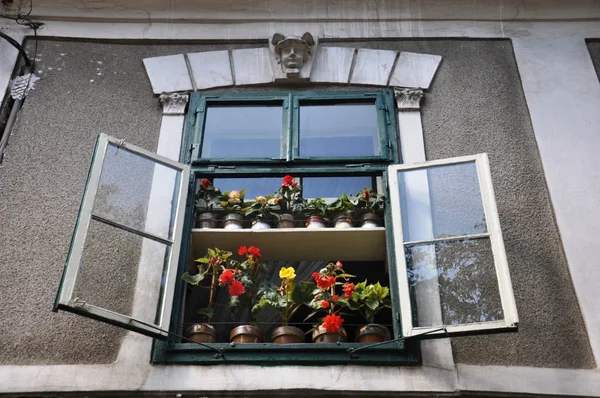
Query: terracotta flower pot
point(321, 336)
point(233, 221)
point(372, 333)
point(206, 220)
point(245, 334)
point(287, 335)
point(286, 221)
point(201, 333)
point(369, 220)
point(315, 222)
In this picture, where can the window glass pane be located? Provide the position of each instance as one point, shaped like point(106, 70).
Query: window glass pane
point(137, 192)
point(440, 202)
point(333, 187)
point(254, 186)
point(242, 131)
point(339, 130)
point(122, 272)
point(457, 276)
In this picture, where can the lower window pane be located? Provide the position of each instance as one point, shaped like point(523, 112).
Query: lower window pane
point(457, 276)
point(122, 272)
point(333, 187)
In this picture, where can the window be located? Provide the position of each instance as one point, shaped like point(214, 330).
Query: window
point(440, 251)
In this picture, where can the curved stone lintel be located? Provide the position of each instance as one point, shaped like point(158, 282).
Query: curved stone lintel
point(408, 99)
point(174, 103)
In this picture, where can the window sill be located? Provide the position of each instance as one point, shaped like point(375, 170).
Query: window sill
point(297, 244)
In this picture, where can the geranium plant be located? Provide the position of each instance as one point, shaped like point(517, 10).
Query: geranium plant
point(368, 201)
point(368, 299)
point(233, 201)
point(327, 299)
point(341, 205)
point(290, 194)
point(207, 196)
point(287, 297)
point(314, 207)
point(211, 265)
point(263, 207)
point(243, 279)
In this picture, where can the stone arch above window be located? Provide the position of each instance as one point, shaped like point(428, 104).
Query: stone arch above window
point(338, 65)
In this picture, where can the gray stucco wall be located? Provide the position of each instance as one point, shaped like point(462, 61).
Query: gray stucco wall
point(594, 48)
point(476, 104)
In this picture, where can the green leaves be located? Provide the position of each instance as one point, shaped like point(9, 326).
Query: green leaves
point(368, 300)
point(195, 279)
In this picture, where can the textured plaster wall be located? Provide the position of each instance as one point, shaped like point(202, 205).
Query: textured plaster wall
point(476, 104)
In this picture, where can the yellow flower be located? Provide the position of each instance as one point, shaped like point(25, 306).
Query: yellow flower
point(274, 201)
point(261, 200)
point(287, 273)
point(234, 195)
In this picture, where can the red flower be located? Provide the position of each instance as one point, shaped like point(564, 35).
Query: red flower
point(332, 323)
point(324, 304)
point(348, 289)
point(366, 194)
point(205, 183)
point(242, 250)
point(315, 276)
point(236, 288)
point(339, 264)
point(317, 296)
point(336, 297)
point(254, 251)
point(288, 181)
point(226, 277)
point(325, 283)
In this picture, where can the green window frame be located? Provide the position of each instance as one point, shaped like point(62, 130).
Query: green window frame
point(395, 352)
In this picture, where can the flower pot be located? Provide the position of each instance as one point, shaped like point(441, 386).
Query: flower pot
point(286, 221)
point(206, 220)
point(287, 335)
point(201, 333)
point(260, 223)
point(372, 333)
point(321, 336)
point(233, 221)
point(245, 334)
point(315, 222)
point(342, 221)
point(369, 220)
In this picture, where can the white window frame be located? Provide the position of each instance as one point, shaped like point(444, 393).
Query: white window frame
point(65, 299)
point(494, 234)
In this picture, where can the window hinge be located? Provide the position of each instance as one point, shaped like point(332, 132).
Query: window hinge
point(196, 112)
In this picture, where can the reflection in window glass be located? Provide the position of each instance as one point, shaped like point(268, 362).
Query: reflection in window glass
point(333, 187)
point(248, 131)
point(254, 186)
point(338, 130)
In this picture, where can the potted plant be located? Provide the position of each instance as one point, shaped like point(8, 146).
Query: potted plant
point(286, 299)
point(315, 211)
point(368, 300)
point(370, 204)
point(330, 330)
point(262, 209)
point(341, 212)
point(233, 204)
point(206, 198)
point(243, 279)
point(290, 202)
point(208, 266)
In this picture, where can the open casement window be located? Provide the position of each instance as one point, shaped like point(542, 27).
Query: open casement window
point(124, 253)
point(451, 265)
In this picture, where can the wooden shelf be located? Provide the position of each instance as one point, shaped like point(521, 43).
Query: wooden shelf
point(297, 244)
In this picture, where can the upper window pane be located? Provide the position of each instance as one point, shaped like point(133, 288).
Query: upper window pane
point(448, 196)
point(332, 187)
point(242, 131)
point(339, 130)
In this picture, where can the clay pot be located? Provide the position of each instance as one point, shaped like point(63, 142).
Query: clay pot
point(245, 334)
point(372, 333)
point(287, 335)
point(286, 221)
point(315, 222)
point(320, 335)
point(201, 333)
point(206, 220)
point(233, 221)
point(369, 220)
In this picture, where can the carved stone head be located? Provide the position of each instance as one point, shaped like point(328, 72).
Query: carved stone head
point(292, 53)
